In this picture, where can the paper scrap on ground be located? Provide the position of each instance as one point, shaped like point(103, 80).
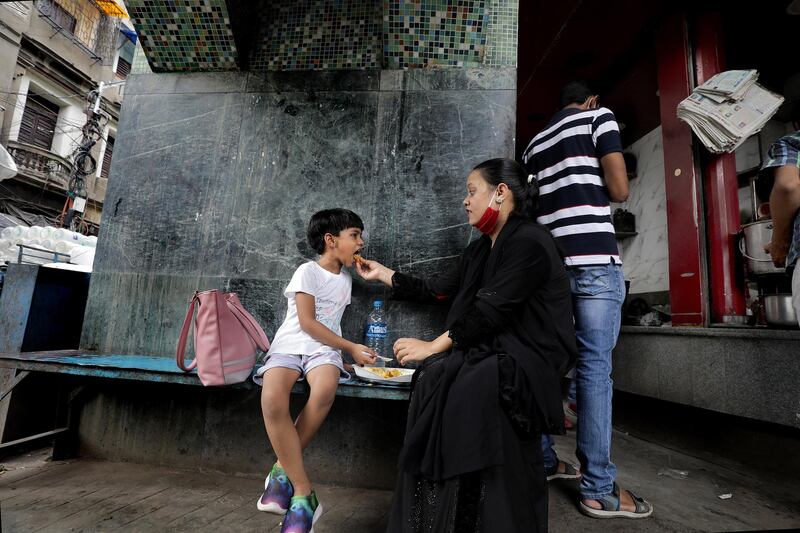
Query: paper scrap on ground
point(725, 496)
point(673, 473)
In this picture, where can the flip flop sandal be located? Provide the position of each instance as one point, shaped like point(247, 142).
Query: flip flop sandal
point(611, 509)
point(570, 472)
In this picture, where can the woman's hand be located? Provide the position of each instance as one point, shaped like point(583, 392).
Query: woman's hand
point(374, 271)
point(409, 350)
point(362, 355)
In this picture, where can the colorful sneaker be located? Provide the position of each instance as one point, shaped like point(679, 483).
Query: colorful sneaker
point(278, 492)
point(303, 512)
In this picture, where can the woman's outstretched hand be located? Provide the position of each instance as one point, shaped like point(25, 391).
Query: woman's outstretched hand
point(374, 271)
point(410, 350)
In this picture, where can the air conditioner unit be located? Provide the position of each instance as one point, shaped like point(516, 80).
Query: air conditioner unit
point(8, 168)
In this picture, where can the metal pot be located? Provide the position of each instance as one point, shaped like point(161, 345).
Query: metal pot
point(779, 311)
point(756, 236)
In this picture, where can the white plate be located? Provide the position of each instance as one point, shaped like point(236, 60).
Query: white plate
point(367, 375)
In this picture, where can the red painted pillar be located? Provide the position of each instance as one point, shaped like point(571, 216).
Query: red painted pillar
point(720, 189)
point(684, 195)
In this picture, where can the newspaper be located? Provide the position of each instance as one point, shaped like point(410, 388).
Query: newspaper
point(728, 108)
point(728, 85)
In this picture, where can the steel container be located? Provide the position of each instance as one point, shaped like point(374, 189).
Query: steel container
point(755, 236)
point(779, 311)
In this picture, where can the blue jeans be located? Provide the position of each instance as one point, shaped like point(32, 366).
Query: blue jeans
point(597, 295)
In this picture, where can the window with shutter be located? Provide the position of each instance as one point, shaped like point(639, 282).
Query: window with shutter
point(123, 68)
point(107, 157)
point(58, 15)
point(38, 122)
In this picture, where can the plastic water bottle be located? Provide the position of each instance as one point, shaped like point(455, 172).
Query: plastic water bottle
point(376, 331)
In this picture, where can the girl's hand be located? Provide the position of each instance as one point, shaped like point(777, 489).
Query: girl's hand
point(409, 350)
point(374, 271)
point(362, 355)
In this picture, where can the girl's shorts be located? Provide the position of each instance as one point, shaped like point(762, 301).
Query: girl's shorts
point(302, 363)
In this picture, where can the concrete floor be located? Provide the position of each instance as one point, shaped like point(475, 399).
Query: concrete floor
point(88, 495)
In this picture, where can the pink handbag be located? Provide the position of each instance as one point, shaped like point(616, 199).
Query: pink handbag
point(226, 339)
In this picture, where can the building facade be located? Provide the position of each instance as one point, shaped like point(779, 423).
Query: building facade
point(53, 54)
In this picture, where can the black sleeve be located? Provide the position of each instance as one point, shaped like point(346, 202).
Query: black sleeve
point(439, 289)
point(523, 269)
point(472, 328)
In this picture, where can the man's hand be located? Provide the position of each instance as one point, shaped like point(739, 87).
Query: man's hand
point(409, 350)
point(778, 252)
point(362, 355)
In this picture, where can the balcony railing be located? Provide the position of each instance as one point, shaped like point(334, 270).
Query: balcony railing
point(39, 164)
point(84, 24)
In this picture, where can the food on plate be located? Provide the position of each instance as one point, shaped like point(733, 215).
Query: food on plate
point(387, 373)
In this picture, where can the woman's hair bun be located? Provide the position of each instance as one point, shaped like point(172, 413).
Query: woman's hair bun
point(523, 186)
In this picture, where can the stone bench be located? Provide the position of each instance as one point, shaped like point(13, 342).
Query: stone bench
point(133, 367)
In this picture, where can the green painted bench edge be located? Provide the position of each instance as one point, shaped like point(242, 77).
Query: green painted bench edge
point(74, 362)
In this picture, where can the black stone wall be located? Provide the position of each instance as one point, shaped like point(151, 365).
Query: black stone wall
point(212, 184)
point(215, 176)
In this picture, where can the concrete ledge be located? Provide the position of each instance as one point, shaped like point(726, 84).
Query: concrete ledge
point(369, 80)
point(751, 373)
point(474, 79)
point(716, 332)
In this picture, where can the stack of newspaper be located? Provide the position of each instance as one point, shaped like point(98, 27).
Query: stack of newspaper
point(728, 108)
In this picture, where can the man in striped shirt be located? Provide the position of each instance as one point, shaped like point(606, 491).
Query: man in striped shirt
point(577, 163)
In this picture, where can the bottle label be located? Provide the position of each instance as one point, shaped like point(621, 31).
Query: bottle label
point(377, 330)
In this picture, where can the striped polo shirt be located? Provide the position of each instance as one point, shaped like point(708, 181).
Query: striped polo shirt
point(573, 198)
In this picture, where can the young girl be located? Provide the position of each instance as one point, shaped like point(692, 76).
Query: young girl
point(308, 346)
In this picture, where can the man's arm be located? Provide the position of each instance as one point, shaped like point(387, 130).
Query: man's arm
point(784, 201)
point(616, 176)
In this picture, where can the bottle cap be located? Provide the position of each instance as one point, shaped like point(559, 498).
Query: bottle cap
point(377, 304)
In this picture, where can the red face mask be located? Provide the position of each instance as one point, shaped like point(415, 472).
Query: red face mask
point(489, 218)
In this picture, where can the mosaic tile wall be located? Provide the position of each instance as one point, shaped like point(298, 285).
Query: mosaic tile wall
point(330, 34)
point(140, 64)
point(184, 35)
point(318, 34)
point(435, 33)
point(501, 35)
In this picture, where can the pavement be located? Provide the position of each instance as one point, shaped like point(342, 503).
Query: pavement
point(688, 494)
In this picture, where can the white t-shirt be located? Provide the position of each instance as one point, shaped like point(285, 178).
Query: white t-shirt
point(331, 294)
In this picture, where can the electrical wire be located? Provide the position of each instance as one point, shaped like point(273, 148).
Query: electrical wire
point(59, 128)
point(550, 46)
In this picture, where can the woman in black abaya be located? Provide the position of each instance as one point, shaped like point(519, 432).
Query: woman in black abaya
point(489, 385)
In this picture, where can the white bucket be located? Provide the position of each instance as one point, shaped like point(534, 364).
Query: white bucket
point(62, 234)
point(82, 255)
point(47, 232)
point(64, 247)
point(15, 232)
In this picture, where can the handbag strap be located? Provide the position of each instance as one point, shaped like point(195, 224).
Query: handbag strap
point(249, 324)
point(180, 354)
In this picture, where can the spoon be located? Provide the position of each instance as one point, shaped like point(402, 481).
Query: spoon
point(382, 358)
